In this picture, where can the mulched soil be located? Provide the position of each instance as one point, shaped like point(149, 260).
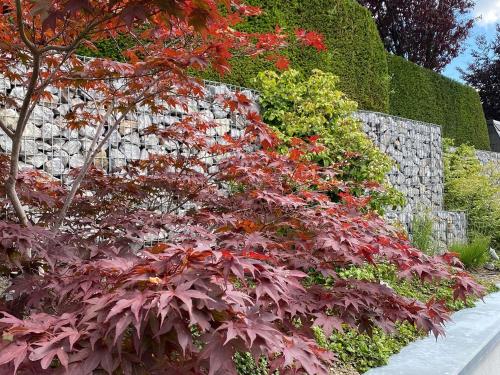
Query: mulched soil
point(487, 276)
point(341, 369)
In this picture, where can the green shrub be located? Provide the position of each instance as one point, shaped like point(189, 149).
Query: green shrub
point(355, 51)
point(470, 187)
point(421, 94)
point(474, 254)
point(296, 106)
point(421, 233)
point(364, 351)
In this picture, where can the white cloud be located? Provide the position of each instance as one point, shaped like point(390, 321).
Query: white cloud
point(488, 10)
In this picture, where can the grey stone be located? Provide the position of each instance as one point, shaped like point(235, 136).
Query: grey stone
point(42, 115)
point(115, 139)
point(72, 147)
point(132, 138)
point(18, 92)
point(31, 131)
point(88, 132)
point(29, 147)
point(219, 112)
point(55, 167)
point(59, 153)
point(144, 154)
point(131, 151)
point(217, 90)
point(86, 144)
point(76, 161)
point(118, 159)
point(37, 160)
point(151, 140)
point(70, 133)
point(50, 131)
point(5, 143)
point(9, 117)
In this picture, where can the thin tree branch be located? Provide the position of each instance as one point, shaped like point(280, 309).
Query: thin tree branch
point(6, 130)
point(86, 165)
point(22, 32)
point(92, 155)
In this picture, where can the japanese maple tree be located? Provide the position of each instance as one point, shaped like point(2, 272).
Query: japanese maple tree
point(169, 265)
point(430, 33)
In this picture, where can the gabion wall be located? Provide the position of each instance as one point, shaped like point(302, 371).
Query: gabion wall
point(416, 147)
point(448, 227)
point(489, 158)
point(48, 145)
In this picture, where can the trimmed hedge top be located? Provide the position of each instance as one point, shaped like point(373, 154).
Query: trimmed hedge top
point(355, 52)
point(421, 94)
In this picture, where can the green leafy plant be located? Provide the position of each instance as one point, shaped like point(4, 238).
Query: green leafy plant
point(246, 365)
point(365, 350)
point(300, 107)
point(473, 188)
point(473, 254)
point(421, 233)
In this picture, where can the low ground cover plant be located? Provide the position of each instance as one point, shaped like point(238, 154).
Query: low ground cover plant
point(366, 350)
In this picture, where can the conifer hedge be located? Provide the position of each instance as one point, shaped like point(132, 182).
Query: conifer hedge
point(355, 51)
point(421, 94)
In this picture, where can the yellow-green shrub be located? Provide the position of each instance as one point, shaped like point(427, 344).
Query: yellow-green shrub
point(471, 188)
point(296, 106)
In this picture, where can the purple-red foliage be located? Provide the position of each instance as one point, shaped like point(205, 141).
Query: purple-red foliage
point(232, 247)
point(428, 32)
point(225, 277)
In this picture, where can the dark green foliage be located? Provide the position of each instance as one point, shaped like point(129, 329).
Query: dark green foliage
point(111, 48)
point(474, 254)
point(355, 52)
point(423, 95)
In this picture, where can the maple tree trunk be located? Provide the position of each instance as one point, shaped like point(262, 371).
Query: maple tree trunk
point(24, 114)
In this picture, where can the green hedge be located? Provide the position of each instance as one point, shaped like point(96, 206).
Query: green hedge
point(421, 94)
point(355, 52)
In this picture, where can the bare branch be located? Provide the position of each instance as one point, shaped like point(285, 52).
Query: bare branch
point(22, 32)
point(6, 130)
point(93, 154)
point(86, 165)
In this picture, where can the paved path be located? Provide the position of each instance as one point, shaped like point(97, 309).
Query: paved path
point(471, 346)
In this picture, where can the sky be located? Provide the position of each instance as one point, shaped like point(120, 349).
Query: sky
point(489, 11)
